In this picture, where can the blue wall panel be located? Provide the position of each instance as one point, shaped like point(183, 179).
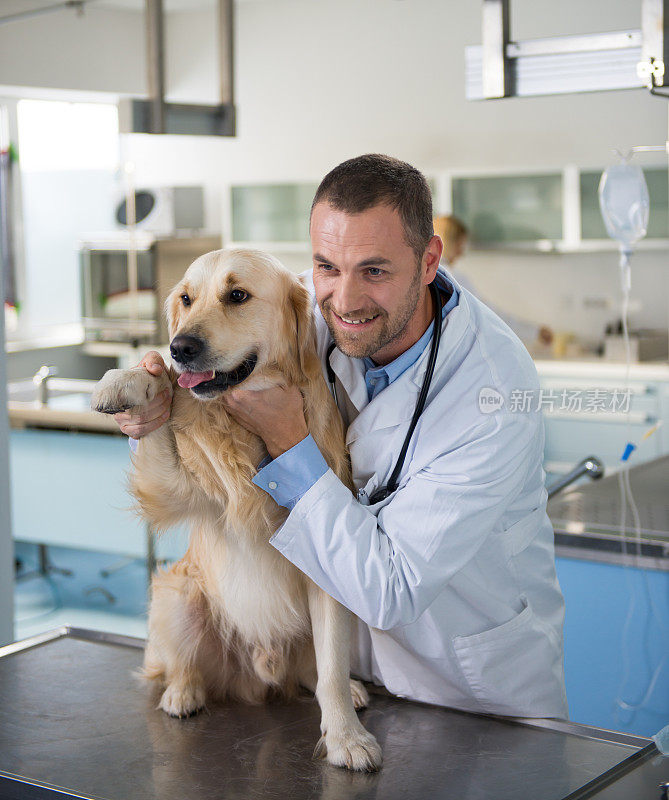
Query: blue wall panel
point(616, 645)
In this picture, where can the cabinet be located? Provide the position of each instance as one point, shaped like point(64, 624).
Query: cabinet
point(545, 211)
point(509, 208)
point(599, 424)
point(615, 644)
point(69, 489)
point(275, 216)
point(119, 307)
point(271, 213)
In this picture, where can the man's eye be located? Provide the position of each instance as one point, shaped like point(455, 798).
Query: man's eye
point(238, 296)
point(326, 267)
point(375, 272)
point(185, 299)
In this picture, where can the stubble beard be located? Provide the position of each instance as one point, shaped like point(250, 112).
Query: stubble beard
point(359, 345)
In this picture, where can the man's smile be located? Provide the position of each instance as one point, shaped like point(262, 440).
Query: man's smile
point(354, 322)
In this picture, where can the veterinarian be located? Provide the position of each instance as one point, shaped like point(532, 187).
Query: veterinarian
point(451, 573)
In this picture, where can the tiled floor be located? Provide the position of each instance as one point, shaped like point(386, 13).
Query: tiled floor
point(85, 599)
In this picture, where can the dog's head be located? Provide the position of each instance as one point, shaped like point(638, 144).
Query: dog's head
point(239, 316)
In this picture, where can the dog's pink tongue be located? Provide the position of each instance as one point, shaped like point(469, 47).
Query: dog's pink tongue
point(189, 379)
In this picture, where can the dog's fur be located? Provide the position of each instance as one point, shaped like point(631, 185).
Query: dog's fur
point(233, 618)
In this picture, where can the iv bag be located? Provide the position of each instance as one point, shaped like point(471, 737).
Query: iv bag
point(624, 203)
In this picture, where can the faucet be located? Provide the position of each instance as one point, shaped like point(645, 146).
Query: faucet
point(41, 381)
point(591, 466)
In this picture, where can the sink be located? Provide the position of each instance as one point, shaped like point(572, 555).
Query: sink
point(71, 394)
point(68, 406)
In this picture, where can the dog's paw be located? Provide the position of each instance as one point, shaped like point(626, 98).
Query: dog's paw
point(121, 389)
point(182, 701)
point(353, 748)
point(358, 694)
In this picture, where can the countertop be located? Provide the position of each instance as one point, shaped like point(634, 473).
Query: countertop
point(587, 519)
point(598, 368)
point(68, 406)
point(60, 413)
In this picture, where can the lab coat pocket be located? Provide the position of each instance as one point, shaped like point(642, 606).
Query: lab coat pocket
point(515, 668)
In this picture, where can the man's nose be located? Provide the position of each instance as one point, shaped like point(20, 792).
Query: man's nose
point(347, 295)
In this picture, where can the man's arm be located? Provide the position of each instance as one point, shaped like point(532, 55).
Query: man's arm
point(389, 569)
point(289, 476)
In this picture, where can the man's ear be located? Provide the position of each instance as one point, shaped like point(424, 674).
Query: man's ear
point(432, 257)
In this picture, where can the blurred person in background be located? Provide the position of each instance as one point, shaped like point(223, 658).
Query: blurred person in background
point(454, 234)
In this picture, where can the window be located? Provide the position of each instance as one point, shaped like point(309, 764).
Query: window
point(68, 156)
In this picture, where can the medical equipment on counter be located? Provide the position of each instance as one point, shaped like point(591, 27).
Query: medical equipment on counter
point(385, 491)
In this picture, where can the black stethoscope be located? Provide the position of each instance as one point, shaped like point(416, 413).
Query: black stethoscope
point(385, 491)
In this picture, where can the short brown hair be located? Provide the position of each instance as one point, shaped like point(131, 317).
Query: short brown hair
point(370, 180)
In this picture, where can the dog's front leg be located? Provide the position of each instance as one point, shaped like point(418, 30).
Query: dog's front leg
point(344, 741)
point(122, 389)
point(159, 483)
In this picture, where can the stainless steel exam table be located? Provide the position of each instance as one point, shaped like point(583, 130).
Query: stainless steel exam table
point(74, 722)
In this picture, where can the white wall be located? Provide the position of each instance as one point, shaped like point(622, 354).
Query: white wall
point(101, 50)
point(318, 82)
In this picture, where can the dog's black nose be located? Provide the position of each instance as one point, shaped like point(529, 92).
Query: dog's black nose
point(185, 348)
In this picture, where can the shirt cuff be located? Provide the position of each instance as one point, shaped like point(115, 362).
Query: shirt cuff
point(293, 473)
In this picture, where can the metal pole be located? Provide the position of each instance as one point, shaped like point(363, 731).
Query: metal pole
point(155, 51)
point(497, 74)
point(655, 42)
point(6, 542)
point(226, 39)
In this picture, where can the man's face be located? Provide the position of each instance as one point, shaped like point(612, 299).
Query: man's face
point(368, 280)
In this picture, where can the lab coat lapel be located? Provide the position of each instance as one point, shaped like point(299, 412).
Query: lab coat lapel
point(351, 375)
point(392, 407)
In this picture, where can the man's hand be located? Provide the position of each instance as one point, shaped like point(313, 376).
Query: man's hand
point(156, 412)
point(276, 415)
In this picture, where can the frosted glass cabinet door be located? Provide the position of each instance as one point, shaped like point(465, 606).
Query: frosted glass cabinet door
point(510, 208)
point(272, 213)
point(592, 224)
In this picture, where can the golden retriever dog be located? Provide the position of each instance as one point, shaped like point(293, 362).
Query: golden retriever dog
point(233, 618)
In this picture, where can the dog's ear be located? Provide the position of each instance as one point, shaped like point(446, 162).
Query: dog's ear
point(171, 306)
point(305, 329)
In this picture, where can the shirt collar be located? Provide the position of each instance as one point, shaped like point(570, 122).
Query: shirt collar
point(395, 368)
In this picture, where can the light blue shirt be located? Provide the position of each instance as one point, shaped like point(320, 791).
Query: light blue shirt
point(294, 472)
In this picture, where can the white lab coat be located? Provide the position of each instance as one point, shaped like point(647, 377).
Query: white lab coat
point(453, 576)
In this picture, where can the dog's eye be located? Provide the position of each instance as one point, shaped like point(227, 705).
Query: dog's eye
point(238, 296)
point(185, 299)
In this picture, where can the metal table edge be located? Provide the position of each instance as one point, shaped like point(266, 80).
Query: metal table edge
point(68, 631)
point(554, 725)
point(31, 788)
point(624, 767)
